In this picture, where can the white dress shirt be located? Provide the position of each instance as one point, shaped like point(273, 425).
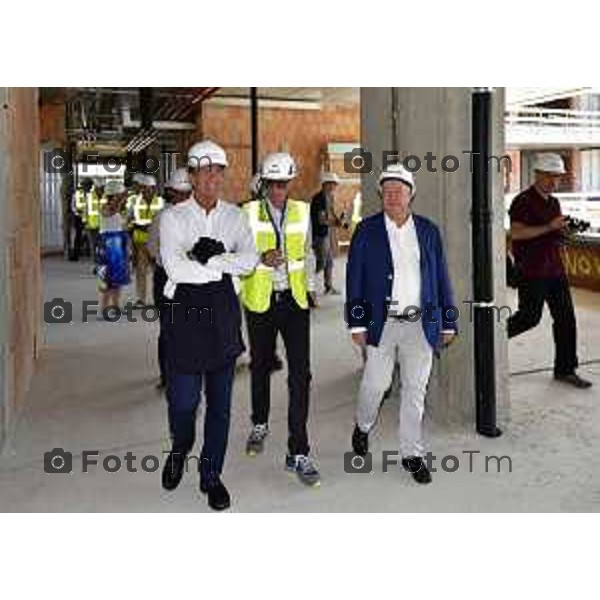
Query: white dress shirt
point(184, 223)
point(406, 257)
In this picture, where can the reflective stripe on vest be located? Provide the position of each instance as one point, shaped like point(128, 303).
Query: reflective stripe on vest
point(258, 287)
point(143, 215)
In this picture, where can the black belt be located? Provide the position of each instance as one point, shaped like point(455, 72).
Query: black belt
point(410, 317)
point(280, 296)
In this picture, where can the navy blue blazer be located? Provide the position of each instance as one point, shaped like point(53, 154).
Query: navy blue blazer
point(370, 273)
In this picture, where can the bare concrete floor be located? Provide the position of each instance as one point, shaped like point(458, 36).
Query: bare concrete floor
point(95, 390)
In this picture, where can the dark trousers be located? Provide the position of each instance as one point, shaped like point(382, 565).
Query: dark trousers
point(533, 293)
point(285, 317)
point(159, 281)
point(183, 395)
point(78, 227)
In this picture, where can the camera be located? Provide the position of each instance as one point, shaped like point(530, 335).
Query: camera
point(58, 311)
point(358, 313)
point(58, 461)
point(576, 225)
point(58, 161)
point(358, 161)
point(353, 463)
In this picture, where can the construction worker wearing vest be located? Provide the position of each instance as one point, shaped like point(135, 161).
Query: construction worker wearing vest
point(79, 212)
point(275, 297)
point(145, 206)
point(95, 200)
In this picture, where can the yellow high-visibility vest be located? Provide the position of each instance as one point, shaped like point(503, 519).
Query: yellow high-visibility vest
point(94, 204)
point(81, 204)
point(258, 286)
point(142, 215)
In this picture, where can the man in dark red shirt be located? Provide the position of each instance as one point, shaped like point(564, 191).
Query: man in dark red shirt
point(537, 231)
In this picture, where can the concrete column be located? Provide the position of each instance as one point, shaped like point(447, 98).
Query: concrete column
point(4, 294)
point(438, 120)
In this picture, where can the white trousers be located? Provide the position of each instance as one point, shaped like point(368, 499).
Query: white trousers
point(403, 342)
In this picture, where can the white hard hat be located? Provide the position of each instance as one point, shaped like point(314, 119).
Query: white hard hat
point(278, 166)
point(137, 178)
point(255, 183)
point(179, 180)
point(549, 163)
point(329, 177)
point(147, 180)
point(205, 154)
point(399, 173)
point(114, 187)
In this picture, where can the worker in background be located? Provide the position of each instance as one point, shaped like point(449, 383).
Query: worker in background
point(144, 208)
point(135, 189)
point(79, 212)
point(398, 288)
point(537, 231)
point(95, 200)
point(112, 256)
point(324, 220)
point(204, 242)
point(177, 189)
point(275, 297)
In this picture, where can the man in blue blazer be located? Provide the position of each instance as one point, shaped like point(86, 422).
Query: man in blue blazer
point(399, 308)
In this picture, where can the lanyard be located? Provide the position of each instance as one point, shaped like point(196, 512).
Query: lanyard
point(277, 229)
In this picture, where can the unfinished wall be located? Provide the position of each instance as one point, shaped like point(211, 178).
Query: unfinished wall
point(303, 133)
point(20, 277)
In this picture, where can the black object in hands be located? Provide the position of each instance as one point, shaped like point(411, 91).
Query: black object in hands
point(205, 248)
point(577, 225)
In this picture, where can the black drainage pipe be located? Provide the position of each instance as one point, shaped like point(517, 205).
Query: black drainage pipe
point(483, 282)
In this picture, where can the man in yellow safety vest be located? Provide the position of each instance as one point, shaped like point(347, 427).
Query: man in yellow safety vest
point(276, 299)
point(143, 209)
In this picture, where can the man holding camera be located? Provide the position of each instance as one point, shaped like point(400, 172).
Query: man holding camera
point(398, 292)
point(203, 243)
point(537, 231)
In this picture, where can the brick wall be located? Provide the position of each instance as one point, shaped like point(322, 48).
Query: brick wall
point(303, 133)
point(22, 239)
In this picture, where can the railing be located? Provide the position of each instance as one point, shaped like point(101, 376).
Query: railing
point(582, 205)
point(538, 125)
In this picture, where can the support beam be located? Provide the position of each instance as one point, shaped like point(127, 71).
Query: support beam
point(254, 127)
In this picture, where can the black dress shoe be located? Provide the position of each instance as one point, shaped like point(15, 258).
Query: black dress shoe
point(360, 441)
point(416, 466)
point(218, 496)
point(173, 470)
point(574, 380)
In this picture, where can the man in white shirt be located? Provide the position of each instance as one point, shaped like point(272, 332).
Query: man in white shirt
point(204, 242)
point(399, 302)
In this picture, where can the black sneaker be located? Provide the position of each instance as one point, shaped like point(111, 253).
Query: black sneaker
point(218, 496)
point(416, 466)
point(574, 380)
point(256, 440)
point(173, 470)
point(360, 441)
